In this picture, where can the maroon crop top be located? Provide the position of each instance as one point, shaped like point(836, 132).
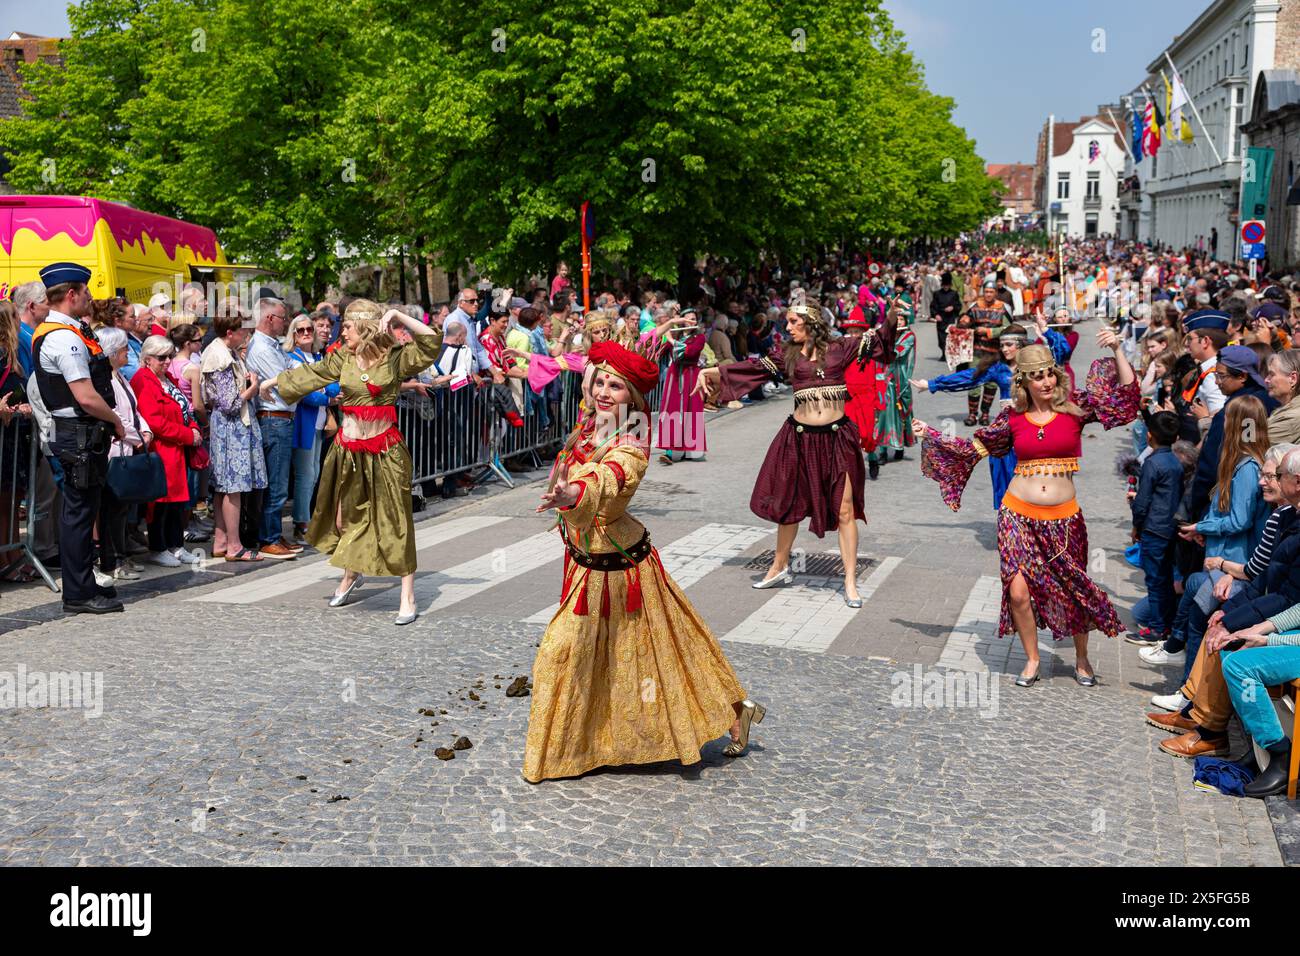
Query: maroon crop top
point(1050, 449)
point(810, 383)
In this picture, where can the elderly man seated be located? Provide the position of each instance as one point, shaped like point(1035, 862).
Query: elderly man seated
point(1264, 585)
point(1263, 651)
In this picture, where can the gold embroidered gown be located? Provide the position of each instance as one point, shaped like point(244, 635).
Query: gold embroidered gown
point(626, 673)
point(366, 475)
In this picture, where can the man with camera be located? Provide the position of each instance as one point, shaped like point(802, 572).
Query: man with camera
point(75, 379)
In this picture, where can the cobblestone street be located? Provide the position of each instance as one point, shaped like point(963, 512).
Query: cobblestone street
point(245, 722)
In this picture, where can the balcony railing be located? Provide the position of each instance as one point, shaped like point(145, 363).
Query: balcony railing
point(1091, 202)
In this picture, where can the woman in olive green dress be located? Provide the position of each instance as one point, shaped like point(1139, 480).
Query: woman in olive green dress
point(363, 505)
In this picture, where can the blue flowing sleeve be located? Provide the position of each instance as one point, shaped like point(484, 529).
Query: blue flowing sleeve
point(1059, 345)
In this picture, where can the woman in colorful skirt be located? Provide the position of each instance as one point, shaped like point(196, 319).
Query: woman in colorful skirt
point(813, 469)
point(1042, 538)
point(1001, 467)
point(363, 514)
point(626, 673)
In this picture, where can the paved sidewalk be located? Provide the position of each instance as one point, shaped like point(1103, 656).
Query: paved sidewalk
point(276, 730)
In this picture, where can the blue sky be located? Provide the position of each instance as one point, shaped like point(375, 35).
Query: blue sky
point(1007, 63)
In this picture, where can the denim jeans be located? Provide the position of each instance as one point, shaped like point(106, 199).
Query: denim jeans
point(1139, 436)
point(1247, 673)
point(1158, 570)
point(277, 446)
point(306, 469)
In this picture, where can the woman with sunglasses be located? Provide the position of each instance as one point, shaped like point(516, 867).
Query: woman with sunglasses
point(814, 468)
point(1042, 538)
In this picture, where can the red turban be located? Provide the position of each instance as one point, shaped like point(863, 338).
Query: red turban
point(637, 370)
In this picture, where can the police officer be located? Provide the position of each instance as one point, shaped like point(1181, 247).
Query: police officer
point(75, 380)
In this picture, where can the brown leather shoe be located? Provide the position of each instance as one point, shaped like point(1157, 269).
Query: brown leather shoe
point(1175, 723)
point(286, 543)
point(277, 551)
point(1191, 745)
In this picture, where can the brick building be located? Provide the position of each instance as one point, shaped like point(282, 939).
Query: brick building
point(1018, 201)
point(20, 48)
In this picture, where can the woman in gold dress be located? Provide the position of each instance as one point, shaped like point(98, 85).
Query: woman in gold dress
point(626, 673)
point(363, 514)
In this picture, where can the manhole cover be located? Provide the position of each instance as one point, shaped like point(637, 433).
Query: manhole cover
point(817, 565)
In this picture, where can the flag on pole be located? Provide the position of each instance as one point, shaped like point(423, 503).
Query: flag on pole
point(1167, 128)
point(1178, 98)
point(1137, 134)
point(1094, 150)
point(1150, 129)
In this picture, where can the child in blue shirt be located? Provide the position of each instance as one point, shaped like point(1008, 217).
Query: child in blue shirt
point(1160, 490)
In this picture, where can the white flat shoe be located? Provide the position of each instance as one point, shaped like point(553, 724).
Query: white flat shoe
point(406, 618)
point(338, 600)
point(785, 577)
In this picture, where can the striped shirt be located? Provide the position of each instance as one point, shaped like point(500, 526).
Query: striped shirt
point(1258, 562)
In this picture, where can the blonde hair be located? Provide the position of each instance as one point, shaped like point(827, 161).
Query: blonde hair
point(1041, 355)
point(288, 343)
point(364, 316)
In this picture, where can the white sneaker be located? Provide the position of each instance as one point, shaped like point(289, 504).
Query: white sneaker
point(1170, 702)
point(102, 579)
point(1158, 655)
point(123, 573)
point(186, 557)
point(163, 559)
point(132, 565)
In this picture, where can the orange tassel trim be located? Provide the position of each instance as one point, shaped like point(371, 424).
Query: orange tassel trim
point(1047, 466)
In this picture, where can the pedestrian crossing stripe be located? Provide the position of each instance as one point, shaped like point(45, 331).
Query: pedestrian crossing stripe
point(692, 558)
point(804, 617)
point(279, 583)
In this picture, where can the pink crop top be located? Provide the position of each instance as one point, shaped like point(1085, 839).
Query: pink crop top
point(1051, 449)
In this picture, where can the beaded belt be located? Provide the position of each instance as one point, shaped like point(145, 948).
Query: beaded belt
point(801, 428)
point(821, 393)
point(1047, 466)
point(614, 560)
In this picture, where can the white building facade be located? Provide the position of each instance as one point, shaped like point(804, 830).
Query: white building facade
point(1084, 162)
point(1190, 192)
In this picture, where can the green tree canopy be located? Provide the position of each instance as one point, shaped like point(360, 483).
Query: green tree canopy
point(300, 129)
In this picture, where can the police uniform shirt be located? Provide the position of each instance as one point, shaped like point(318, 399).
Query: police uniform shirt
point(63, 353)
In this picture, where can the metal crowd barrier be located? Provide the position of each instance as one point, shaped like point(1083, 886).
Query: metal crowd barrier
point(19, 446)
point(450, 433)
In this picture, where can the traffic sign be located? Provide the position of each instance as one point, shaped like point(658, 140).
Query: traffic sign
point(1252, 231)
point(1252, 250)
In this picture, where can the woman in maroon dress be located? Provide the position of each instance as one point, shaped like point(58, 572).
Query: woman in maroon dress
point(813, 468)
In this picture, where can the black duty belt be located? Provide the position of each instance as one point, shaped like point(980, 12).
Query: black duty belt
point(834, 426)
point(614, 560)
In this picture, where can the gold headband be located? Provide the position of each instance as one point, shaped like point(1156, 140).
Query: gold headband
point(1034, 358)
point(595, 325)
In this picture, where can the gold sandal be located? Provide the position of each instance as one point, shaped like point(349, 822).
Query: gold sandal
point(750, 713)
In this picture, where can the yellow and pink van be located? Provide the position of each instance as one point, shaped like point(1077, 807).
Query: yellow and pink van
point(128, 252)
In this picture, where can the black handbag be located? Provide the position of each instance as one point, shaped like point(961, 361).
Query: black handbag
point(140, 477)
